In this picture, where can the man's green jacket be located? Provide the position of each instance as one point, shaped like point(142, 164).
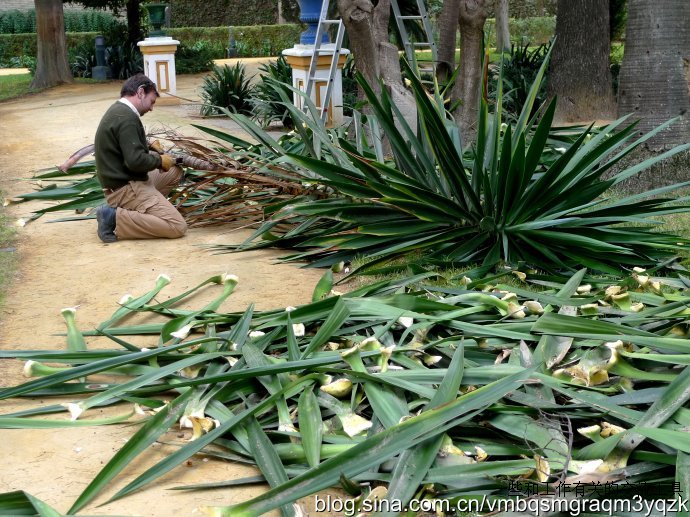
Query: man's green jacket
point(121, 151)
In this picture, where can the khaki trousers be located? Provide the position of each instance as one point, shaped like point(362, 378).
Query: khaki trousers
point(143, 211)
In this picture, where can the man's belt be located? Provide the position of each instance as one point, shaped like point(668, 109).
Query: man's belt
point(108, 191)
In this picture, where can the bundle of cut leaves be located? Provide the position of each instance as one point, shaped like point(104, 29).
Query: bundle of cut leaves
point(509, 200)
point(225, 182)
point(421, 392)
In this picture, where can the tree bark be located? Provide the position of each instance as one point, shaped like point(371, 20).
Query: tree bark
point(467, 88)
point(448, 33)
point(357, 16)
point(134, 31)
point(375, 57)
point(502, 30)
point(654, 81)
point(580, 75)
point(281, 19)
point(52, 67)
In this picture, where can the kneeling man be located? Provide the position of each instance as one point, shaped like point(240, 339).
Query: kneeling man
point(135, 180)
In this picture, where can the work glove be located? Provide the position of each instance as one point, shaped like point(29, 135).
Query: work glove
point(167, 161)
point(157, 146)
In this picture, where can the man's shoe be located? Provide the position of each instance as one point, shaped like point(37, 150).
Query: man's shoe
point(105, 215)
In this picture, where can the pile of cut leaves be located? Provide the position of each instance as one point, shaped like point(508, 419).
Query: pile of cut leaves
point(225, 182)
point(400, 388)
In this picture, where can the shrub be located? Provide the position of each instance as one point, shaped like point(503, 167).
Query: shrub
point(615, 66)
point(15, 45)
point(519, 73)
point(81, 60)
point(350, 89)
point(123, 58)
point(537, 31)
point(19, 22)
point(269, 40)
point(188, 35)
point(229, 88)
point(269, 104)
point(20, 62)
point(25, 62)
point(89, 21)
point(208, 13)
point(251, 41)
point(197, 57)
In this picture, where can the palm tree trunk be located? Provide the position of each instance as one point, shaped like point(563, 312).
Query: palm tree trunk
point(502, 30)
point(654, 82)
point(580, 74)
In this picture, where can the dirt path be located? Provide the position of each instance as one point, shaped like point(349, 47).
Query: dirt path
point(64, 265)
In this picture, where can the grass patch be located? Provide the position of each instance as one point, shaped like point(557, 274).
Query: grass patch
point(12, 86)
point(8, 257)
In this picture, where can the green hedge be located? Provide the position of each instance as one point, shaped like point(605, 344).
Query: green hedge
point(17, 22)
point(259, 41)
point(529, 8)
point(251, 41)
point(212, 13)
point(535, 31)
point(21, 22)
point(16, 45)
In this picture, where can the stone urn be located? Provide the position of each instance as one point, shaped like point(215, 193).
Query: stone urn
point(310, 10)
point(156, 14)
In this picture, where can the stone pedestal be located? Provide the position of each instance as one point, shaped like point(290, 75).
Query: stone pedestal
point(159, 66)
point(299, 57)
point(100, 72)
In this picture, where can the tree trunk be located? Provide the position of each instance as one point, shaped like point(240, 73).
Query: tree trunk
point(448, 33)
point(52, 67)
point(357, 16)
point(281, 19)
point(502, 30)
point(580, 75)
point(467, 88)
point(375, 57)
point(654, 81)
point(134, 32)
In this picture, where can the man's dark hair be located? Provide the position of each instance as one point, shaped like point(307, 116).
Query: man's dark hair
point(138, 81)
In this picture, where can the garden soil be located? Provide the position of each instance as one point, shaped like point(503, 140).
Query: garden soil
point(65, 265)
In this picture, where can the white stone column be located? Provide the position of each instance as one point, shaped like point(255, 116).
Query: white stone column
point(159, 65)
point(299, 58)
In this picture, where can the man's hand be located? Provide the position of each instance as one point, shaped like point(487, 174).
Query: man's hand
point(157, 146)
point(167, 161)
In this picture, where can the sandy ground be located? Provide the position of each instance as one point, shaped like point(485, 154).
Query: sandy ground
point(64, 265)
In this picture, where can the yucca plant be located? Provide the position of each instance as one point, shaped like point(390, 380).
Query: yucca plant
point(227, 87)
point(268, 102)
point(502, 202)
